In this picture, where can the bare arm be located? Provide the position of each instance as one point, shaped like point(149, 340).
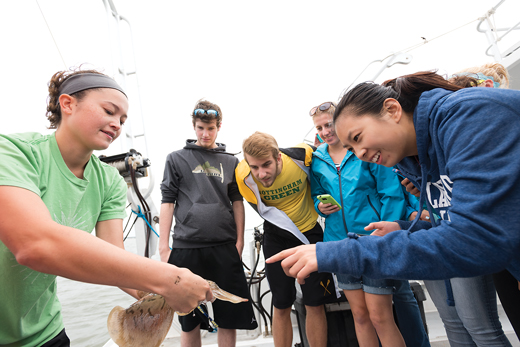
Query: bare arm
point(240, 219)
point(111, 231)
point(165, 226)
point(46, 246)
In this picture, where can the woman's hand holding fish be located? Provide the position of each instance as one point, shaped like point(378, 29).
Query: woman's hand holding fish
point(186, 291)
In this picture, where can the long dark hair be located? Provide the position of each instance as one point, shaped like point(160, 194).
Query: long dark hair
point(367, 98)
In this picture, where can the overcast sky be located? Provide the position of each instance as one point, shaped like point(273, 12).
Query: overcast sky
point(264, 63)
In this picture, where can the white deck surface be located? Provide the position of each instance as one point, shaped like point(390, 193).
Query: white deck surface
point(437, 333)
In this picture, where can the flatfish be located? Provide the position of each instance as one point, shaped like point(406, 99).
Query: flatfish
point(144, 323)
point(147, 321)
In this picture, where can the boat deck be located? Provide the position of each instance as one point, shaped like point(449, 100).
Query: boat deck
point(436, 332)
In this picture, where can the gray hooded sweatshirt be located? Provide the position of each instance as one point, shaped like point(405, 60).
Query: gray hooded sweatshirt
point(201, 183)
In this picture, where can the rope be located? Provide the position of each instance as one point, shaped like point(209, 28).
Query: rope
point(211, 321)
point(50, 32)
point(139, 214)
point(427, 41)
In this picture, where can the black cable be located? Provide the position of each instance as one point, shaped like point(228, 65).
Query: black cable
point(128, 221)
point(268, 315)
point(260, 276)
point(146, 211)
point(259, 311)
point(262, 306)
point(249, 289)
point(252, 272)
point(128, 233)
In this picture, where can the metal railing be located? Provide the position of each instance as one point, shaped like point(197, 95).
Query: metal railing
point(492, 34)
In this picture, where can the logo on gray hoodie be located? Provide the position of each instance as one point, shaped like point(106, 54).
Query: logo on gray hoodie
point(210, 170)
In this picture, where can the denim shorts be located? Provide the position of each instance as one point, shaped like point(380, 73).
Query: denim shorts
point(369, 285)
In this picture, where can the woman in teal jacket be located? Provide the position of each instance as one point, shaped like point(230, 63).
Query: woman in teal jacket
point(367, 193)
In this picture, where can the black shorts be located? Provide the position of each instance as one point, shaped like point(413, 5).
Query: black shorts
point(222, 265)
point(318, 288)
point(60, 340)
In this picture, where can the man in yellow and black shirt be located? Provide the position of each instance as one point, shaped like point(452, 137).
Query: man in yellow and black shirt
point(274, 182)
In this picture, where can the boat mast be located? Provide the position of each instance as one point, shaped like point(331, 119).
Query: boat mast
point(132, 164)
point(125, 73)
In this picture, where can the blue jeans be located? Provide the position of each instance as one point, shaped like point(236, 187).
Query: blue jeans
point(473, 321)
point(409, 316)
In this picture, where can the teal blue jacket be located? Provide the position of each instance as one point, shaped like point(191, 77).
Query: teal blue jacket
point(367, 192)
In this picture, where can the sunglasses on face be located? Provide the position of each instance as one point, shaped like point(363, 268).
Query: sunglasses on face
point(200, 111)
point(323, 107)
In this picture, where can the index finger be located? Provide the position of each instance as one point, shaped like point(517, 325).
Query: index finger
point(374, 225)
point(280, 256)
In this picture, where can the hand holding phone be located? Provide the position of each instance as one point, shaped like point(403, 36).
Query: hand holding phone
point(328, 199)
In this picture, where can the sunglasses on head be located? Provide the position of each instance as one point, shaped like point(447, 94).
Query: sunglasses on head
point(200, 111)
point(480, 77)
point(323, 107)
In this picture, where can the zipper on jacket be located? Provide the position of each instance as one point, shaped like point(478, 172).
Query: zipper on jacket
point(341, 198)
point(373, 208)
point(340, 192)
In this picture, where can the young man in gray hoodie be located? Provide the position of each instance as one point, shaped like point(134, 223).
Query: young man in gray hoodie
point(200, 190)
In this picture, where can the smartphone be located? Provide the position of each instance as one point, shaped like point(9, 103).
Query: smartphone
point(319, 138)
point(328, 199)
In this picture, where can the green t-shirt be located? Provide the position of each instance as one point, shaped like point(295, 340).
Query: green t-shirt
point(29, 309)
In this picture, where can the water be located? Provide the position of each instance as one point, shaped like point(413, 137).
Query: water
point(85, 307)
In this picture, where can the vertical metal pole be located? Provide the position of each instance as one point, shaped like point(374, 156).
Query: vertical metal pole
point(492, 41)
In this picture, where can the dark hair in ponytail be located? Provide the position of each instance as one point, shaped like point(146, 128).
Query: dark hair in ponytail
point(367, 98)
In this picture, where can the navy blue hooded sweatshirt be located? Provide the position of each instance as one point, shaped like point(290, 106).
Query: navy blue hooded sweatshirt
point(468, 168)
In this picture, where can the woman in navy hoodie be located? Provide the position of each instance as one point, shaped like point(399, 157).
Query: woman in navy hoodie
point(468, 306)
point(367, 192)
point(460, 146)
